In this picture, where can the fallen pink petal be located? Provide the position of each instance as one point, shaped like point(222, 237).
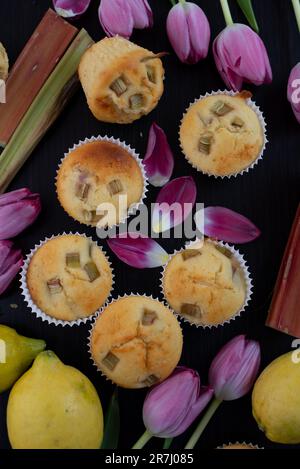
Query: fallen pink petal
point(18, 210)
point(226, 225)
point(174, 203)
point(293, 91)
point(71, 8)
point(11, 261)
point(159, 160)
point(138, 251)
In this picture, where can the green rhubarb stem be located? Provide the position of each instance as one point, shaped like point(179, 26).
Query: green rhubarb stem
point(296, 5)
point(143, 440)
point(226, 12)
point(203, 423)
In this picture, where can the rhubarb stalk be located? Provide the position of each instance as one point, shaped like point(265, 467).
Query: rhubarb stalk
point(44, 110)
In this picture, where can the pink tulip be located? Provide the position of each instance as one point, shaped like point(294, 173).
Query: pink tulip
point(293, 91)
point(71, 8)
point(240, 55)
point(234, 369)
point(18, 209)
point(138, 251)
point(11, 261)
point(189, 32)
point(120, 17)
point(159, 160)
point(171, 407)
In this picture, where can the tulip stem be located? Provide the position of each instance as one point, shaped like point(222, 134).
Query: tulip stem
point(226, 12)
point(173, 2)
point(167, 443)
point(203, 423)
point(296, 5)
point(143, 440)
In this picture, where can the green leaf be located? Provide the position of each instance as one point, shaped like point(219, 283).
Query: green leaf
point(246, 6)
point(112, 423)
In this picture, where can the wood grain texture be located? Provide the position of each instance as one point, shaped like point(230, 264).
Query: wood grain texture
point(268, 195)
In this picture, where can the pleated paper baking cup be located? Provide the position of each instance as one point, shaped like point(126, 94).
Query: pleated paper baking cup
point(107, 304)
point(244, 443)
point(134, 207)
point(26, 293)
point(261, 119)
point(248, 282)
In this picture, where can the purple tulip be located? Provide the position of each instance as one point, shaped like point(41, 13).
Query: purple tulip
point(234, 369)
point(11, 261)
point(293, 91)
point(171, 407)
point(120, 17)
point(18, 209)
point(189, 32)
point(71, 9)
point(240, 55)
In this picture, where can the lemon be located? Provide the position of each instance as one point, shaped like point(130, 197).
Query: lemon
point(16, 355)
point(276, 400)
point(54, 406)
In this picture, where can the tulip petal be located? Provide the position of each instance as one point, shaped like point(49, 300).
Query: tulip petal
point(240, 55)
point(141, 13)
point(234, 369)
point(14, 196)
point(15, 217)
point(71, 8)
point(293, 91)
point(11, 261)
point(116, 18)
point(159, 160)
point(199, 32)
point(174, 203)
point(138, 251)
point(178, 33)
point(227, 225)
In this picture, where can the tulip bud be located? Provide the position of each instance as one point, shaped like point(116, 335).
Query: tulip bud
point(234, 369)
point(189, 32)
point(18, 209)
point(240, 55)
point(120, 17)
point(10, 263)
point(293, 91)
point(171, 407)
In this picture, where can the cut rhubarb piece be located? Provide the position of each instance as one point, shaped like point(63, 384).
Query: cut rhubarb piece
point(284, 310)
point(36, 62)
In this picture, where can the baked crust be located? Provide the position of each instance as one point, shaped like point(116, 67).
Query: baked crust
point(142, 351)
point(79, 297)
point(109, 60)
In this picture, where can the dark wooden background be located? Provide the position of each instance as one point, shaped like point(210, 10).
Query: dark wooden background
point(268, 195)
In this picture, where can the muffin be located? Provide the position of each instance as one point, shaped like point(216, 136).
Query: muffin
point(69, 277)
point(222, 134)
point(136, 342)
point(99, 173)
point(122, 81)
point(3, 63)
point(205, 284)
point(238, 446)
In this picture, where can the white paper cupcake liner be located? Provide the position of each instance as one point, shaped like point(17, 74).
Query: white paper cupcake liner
point(109, 302)
point(248, 282)
point(134, 207)
point(262, 121)
point(239, 443)
point(26, 294)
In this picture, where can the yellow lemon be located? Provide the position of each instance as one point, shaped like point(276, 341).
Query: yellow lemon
point(54, 406)
point(276, 400)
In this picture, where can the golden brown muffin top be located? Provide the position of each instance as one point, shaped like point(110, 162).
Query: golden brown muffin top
point(96, 173)
point(205, 284)
point(238, 446)
point(136, 342)
point(69, 277)
point(221, 134)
